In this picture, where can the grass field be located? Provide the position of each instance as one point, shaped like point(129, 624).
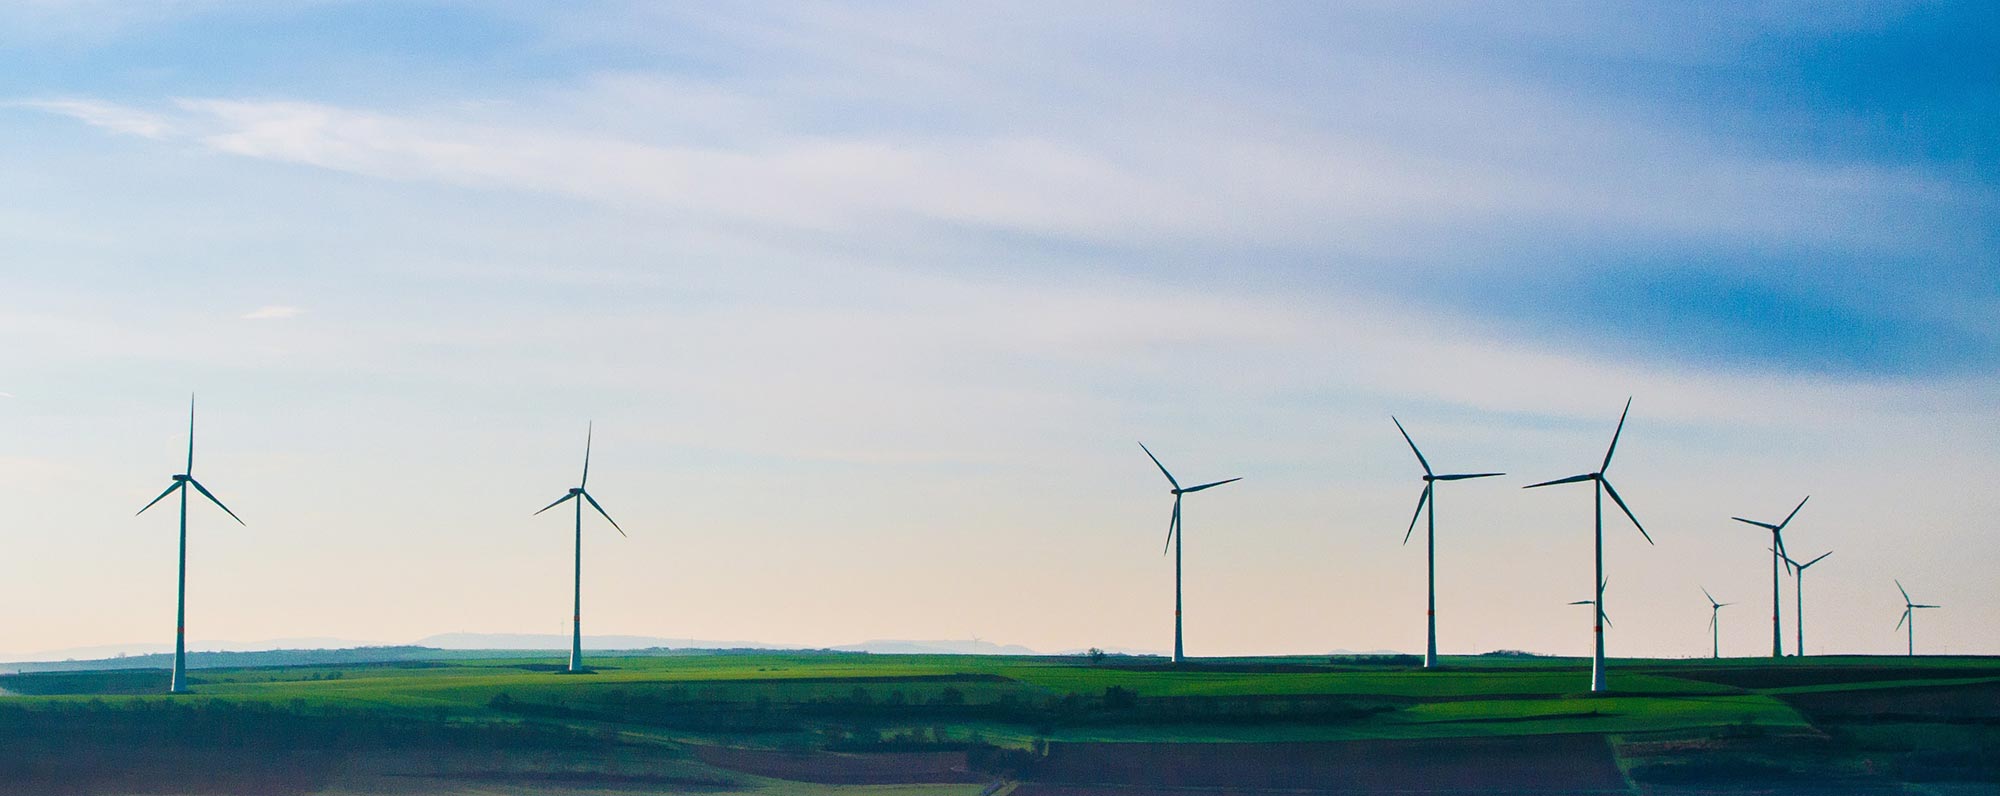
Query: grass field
point(865, 724)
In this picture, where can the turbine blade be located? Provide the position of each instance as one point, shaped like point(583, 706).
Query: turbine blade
point(601, 512)
point(1413, 444)
point(1205, 486)
point(1628, 511)
point(1711, 620)
point(1606, 617)
point(1711, 597)
point(1422, 498)
point(218, 504)
point(1920, 605)
point(1906, 592)
point(558, 502)
point(1795, 513)
point(1901, 619)
point(1463, 476)
point(1584, 602)
point(190, 467)
point(1765, 525)
point(1570, 480)
point(589, 430)
point(163, 496)
point(1173, 526)
point(1816, 560)
point(1614, 437)
point(1156, 463)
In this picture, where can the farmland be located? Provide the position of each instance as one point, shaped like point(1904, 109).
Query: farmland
point(848, 723)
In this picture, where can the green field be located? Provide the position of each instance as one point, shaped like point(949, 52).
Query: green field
point(814, 722)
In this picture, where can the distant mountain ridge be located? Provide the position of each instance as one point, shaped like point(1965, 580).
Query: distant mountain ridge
point(454, 646)
point(474, 646)
point(213, 660)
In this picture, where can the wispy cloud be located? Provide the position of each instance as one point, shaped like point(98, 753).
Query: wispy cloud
point(1256, 181)
point(272, 312)
point(109, 116)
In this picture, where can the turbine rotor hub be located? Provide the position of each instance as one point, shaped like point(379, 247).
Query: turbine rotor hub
point(183, 477)
point(576, 490)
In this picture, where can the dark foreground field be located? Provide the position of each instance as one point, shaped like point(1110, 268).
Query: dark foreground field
point(835, 723)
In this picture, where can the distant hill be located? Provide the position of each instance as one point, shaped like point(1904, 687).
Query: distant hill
point(975, 647)
point(552, 641)
point(557, 641)
point(472, 646)
point(211, 660)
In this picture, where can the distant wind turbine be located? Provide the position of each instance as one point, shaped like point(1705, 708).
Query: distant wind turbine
point(1600, 614)
point(576, 616)
point(1430, 540)
point(1714, 626)
point(1597, 680)
point(1174, 540)
point(1777, 555)
point(181, 483)
point(1910, 616)
point(1799, 597)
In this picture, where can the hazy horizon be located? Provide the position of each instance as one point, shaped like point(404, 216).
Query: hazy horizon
point(870, 306)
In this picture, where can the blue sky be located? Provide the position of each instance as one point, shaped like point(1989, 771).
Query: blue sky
point(863, 291)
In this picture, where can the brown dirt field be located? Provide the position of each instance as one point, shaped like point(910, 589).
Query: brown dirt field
point(1928, 703)
point(1782, 676)
point(1537, 764)
point(888, 768)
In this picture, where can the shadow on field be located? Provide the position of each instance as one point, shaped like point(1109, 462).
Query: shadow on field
point(184, 745)
point(1535, 764)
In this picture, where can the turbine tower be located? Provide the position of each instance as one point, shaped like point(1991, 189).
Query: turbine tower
point(1799, 597)
point(181, 482)
point(576, 616)
point(1430, 541)
point(1910, 616)
point(1603, 486)
point(1714, 626)
point(1174, 541)
point(1777, 555)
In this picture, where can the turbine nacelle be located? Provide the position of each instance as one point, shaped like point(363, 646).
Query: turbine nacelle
point(1778, 530)
point(1174, 522)
point(183, 477)
point(1430, 478)
point(576, 492)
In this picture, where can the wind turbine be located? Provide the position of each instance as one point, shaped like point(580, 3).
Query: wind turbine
point(1714, 626)
point(1777, 554)
point(1174, 540)
point(1600, 614)
point(1597, 683)
point(576, 617)
point(1799, 596)
point(1910, 616)
point(181, 482)
point(1430, 540)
